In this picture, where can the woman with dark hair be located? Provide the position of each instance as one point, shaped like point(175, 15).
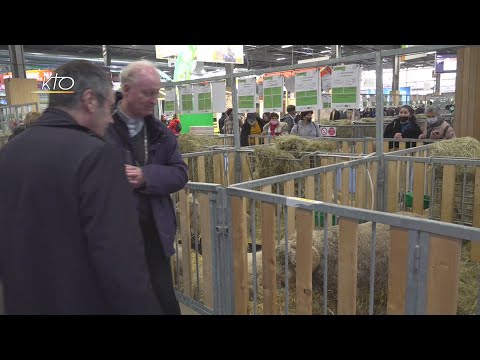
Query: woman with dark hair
point(403, 127)
point(265, 118)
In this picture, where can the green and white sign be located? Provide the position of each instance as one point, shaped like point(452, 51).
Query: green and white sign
point(326, 101)
point(203, 98)
point(307, 90)
point(170, 101)
point(186, 96)
point(247, 95)
point(346, 86)
point(273, 93)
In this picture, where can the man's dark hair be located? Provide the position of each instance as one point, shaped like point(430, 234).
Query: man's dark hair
point(291, 108)
point(85, 75)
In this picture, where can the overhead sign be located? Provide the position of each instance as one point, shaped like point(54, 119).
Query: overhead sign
point(346, 86)
point(307, 90)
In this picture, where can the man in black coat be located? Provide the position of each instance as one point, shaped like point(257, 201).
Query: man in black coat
point(70, 241)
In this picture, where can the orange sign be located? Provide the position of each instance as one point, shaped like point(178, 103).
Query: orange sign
point(38, 75)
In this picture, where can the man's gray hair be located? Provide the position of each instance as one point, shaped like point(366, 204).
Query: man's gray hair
point(130, 73)
point(85, 75)
point(434, 109)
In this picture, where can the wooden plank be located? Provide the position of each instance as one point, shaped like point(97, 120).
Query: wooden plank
point(475, 246)
point(448, 193)
point(345, 147)
point(392, 186)
point(359, 147)
point(267, 189)
point(397, 271)
point(289, 190)
point(443, 275)
point(257, 141)
point(218, 169)
point(303, 268)
point(345, 186)
point(465, 99)
point(310, 187)
point(185, 235)
point(268, 259)
point(231, 168)
point(385, 146)
point(206, 231)
point(360, 187)
point(201, 169)
point(369, 147)
point(472, 93)
point(428, 180)
point(459, 92)
point(347, 266)
point(418, 188)
point(246, 175)
point(402, 145)
point(476, 121)
point(21, 91)
point(240, 261)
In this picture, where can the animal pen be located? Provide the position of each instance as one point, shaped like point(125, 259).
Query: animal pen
point(357, 230)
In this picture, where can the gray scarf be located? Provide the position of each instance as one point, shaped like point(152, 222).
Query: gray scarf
point(430, 127)
point(134, 125)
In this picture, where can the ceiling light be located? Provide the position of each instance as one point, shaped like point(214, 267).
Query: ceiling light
point(282, 58)
point(286, 46)
point(324, 51)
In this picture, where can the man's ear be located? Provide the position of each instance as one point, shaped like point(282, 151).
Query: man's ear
point(125, 89)
point(89, 100)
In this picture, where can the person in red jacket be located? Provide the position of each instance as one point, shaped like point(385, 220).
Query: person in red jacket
point(175, 125)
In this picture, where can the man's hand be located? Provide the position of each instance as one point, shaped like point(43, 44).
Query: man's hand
point(134, 176)
point(398, 135)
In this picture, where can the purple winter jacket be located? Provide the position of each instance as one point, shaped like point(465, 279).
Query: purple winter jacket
point(165, 172)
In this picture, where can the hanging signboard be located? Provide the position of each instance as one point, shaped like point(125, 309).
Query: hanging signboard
point(273, 93)
point(307, 91)
point(346, 86)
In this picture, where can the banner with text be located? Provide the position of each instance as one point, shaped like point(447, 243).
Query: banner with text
point(247, 95)
point(307, 90)
point(346, 86)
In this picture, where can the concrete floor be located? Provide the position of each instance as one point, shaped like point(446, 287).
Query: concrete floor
point(185, 310)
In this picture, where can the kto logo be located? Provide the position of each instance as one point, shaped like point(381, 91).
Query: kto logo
point(63, 83)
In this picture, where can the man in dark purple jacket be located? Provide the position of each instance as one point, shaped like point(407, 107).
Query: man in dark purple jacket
point(154, 168)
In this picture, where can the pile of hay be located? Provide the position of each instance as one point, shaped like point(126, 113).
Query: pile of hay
point(286, 155)
point(270, 161)
point(363, 276)
point(194, 143)
point(465, 147)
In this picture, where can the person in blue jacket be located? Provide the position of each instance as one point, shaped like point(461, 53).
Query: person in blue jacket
point(154, 168)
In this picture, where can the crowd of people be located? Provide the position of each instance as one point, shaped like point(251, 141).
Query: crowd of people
point(87, 219)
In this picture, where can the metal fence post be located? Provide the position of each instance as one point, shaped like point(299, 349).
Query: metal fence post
point(379, 132)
